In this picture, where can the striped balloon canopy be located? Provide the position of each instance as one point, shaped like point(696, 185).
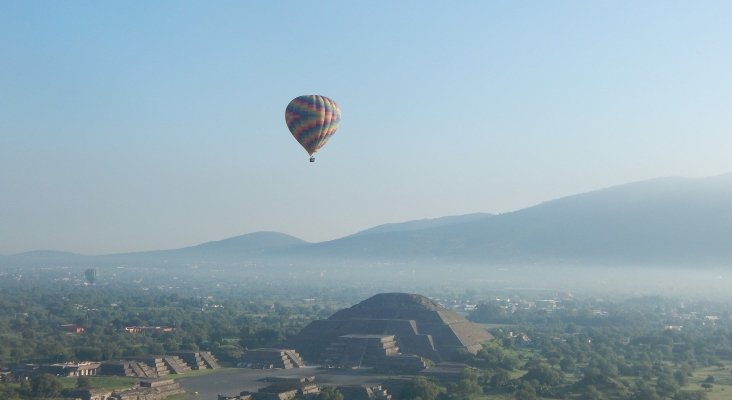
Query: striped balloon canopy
point(312, 120)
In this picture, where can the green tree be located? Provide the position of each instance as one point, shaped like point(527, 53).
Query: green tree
point(500, 379)
point(467, 386)
point(591, 393)
point(526, 392)
point(645, 392)
point(420, 388)
point(7, 392)
point(681, 377)
point(25, 390)
point(666, 386)
point(46, 386)
point(330, 393)
point(493, 356)
point(545, 374)
point(567, 364)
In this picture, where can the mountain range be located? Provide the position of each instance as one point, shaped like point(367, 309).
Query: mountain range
point(665, 221)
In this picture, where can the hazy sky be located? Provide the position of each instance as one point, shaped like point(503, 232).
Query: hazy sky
point(160, 124)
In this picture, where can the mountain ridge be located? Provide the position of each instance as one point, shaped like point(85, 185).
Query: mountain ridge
point(671, 220)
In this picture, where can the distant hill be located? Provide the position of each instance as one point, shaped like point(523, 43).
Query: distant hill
point(423, 224)
point(247, 247)
point(667, 221)
point(252, 243)
point(660, 221)
point(232, 250)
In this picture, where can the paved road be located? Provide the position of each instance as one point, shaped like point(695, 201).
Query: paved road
point(231, 381)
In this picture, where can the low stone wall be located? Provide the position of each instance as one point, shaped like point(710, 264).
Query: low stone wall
point(153, 390)
point(145, 390)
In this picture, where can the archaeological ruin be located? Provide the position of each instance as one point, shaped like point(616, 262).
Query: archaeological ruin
point(389, 329)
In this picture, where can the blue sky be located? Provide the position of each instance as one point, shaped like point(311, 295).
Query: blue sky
point(146, 125)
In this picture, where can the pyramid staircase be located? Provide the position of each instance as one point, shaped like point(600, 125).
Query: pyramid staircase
point(176, 365)
point(158, 365)
point(366, 350)
point(155, 364)
point(272, 358)
point(127, 368)
point(359, 350)
point(295, 358)
point(192, 358)
point(209, 359)
point(141, 370)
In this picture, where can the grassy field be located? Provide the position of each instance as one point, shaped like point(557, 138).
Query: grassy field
point(722, 389)
point(103, 382)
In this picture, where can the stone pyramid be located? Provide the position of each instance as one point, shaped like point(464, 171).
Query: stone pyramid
point(421, 327)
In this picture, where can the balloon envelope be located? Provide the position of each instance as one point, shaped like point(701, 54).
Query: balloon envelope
point(312, 120)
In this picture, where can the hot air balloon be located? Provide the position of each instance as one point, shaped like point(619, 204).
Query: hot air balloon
point(312, 120)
